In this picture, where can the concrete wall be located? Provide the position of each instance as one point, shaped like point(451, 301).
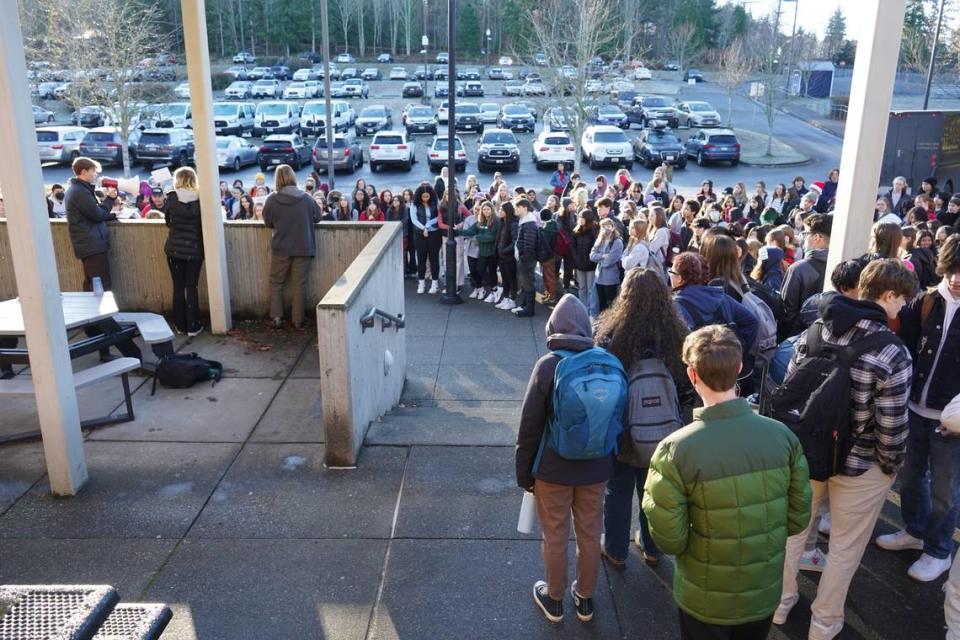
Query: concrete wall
point(355, 384)
point(141, 279)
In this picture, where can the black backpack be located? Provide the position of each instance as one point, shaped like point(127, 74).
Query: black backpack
point(814, 400)
point(544, 250)
point(183, 370)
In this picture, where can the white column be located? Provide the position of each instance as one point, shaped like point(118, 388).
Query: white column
point(201, 104)
point(871, 93)
point(35, 267)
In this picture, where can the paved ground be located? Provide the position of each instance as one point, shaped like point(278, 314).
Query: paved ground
point(216, 501)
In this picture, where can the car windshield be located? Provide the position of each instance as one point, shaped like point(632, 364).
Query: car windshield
point(46, 136)
point(655, 102)
point(272, 109)
point(515, 110)
point(89, 110)
point(338, 143)
point(354, 81)
point(441, 144)
point(389, 140)
point(609, 111)
point(609, 136)
point(224, 109)
point(295, 85)
point(373, 112)
point(421, 112)
point(224, 143)
point(556, 140)
point(662, 137)
point(499, 137)
point(513, 83)
point(314, 108)
point(155, 138)
point(489, 106)
point(264, 83)
point(171, 110)
point(700, 106)
point(277, 144)
point(99, 136)
point(723, 139)
point(469, 109)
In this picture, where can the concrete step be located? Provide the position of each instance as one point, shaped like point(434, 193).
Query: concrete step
point(448, 423)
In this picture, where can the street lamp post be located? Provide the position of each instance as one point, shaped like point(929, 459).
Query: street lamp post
point(424, 43)
point(488, 49)
point(451, 296)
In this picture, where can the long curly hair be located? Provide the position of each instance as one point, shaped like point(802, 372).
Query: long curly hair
point(644, 318)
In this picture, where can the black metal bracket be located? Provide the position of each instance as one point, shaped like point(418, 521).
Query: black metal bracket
point(386, 320)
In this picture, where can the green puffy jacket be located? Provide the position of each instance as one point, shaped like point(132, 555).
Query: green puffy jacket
point(722, 495)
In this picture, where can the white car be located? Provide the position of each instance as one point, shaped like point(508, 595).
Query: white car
point(277, 117)
point(295, 90)
point(489, 112)
point(605, 144)
point(233, 118)
point(346, 58)
point(60, 144)
point(244, 58)
point(266, 89)
point(398, 73)
point(443, 113)
point(620, 85)
point(392, 148)
point(240, 89)
point(301, 75)
point(505, 61)
point(314, 88)
point(534, 88)
point(641, 73)
point(553, 147)
point(175, 114)
point(182, 91)
point(594, 87)
point(698, 114)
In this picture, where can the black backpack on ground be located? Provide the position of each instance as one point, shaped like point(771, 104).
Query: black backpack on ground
point(814, 400)
point(183, 370)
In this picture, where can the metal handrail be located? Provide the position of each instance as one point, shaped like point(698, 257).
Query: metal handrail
point(386, 320)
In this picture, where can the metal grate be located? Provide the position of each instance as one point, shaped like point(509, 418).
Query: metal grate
point(53, 612)
point(135, 622)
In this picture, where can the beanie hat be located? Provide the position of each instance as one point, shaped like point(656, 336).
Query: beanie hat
point(769, 216)
point(818, 185)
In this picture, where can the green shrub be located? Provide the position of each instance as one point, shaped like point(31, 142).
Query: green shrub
point(220, 81)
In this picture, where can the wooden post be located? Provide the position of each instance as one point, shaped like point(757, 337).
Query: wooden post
point(35, 268)
point(208, 175)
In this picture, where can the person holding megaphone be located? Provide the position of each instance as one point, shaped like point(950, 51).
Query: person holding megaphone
point(87, 219)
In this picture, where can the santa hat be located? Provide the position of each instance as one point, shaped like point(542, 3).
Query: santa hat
point(818, 186)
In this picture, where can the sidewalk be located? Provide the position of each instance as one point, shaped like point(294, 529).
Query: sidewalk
point(216, 501)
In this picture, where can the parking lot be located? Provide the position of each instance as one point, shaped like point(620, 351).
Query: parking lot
point(388, 93)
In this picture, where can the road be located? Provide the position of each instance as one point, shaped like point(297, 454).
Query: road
point(821, 147)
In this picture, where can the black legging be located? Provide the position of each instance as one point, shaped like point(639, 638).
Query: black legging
point(508, 273)
point(474, 268)
point(569, 271)
point(606, 294)
point(411, 253)
point(185, 275)
point(487, 271)
point(428, 247)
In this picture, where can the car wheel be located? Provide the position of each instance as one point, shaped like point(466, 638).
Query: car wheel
point(182, 160)
point(374, 167)
point(297, 164)
point(630, 166)
point(360, 158)
point(236, 164)
point(148, 166)
point(50, 118)
point(734, 163)
point(592, 163)
point(263, 167)
point(701, 161)
point(516, 167)
point(405, 166)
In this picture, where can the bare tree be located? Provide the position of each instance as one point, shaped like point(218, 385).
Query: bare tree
point(681, 42)
point(571, 33)
point(406, 17)
point(95, 40)
point(765, 48)
point(734, 67)
point(345, 11)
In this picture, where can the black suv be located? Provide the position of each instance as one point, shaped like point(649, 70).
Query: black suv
point(165, 146)
point(658, 145)
point(516, 117)
point(284, 149)
point(468, 117)
point(281, 72)
point(498, 148)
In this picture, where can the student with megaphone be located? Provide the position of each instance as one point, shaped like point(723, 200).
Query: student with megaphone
point(87, 219)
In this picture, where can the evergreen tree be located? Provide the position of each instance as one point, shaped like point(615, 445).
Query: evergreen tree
point(468, 29)
point(835, 34)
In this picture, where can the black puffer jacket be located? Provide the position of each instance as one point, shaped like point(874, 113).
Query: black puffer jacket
point(87, 219)
point(582, 244)
point(185, 240)
point(507, 239)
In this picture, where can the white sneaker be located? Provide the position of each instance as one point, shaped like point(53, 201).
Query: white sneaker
point(502, 304)
point(476, 293)
point(824, 526)
point(421, 286)
point(899, 541)
point(927, 568)
point(820, 631)
point(783, 609)
point(815, 560)
point(509, 304)
point(434, 287)
point(492, 297)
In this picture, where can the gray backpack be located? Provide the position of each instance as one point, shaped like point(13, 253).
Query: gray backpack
point(653, 411)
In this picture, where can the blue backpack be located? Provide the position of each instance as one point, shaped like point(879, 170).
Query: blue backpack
point(589, 401)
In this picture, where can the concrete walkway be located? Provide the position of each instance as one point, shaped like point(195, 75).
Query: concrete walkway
point(215, 500)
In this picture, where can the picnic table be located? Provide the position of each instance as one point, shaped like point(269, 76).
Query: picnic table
point(80, 309)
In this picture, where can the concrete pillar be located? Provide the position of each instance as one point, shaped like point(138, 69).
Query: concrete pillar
point(35, 267)
point(871, 93)
point(208, 175)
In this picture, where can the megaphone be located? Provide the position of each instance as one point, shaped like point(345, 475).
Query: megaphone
point(127, 185)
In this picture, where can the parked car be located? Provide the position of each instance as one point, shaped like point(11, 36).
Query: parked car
point(384, 58)
point(295, 90)
point(276, 117)
point(471, 73)
point(392, 148)
point(314, 88)
point(439, 151)
point(641, 73)
point(165, 146)
point(533, 87)
point(182, 90)
point(235, 153)
point(646, 109)
point(471, 88)
point(241, 89)
point(281, 72)
point(443, 57)
point(91, 116)
point(516, 117)
point(313, 119)
point(173, 114)
point(350, 73)
point(105, 145)
point(321, 72)
point(423, 73)
point(440, 73)
point(60, 144)
point(594, 87)
point(238, 72)
point(233, 118)
point(373, 119)
point(398, 73)
point(505, 61)
point(347, 153)
point(714, 145)
point(419, 119)
point(41, 115)
point(498, 148)
point(244, 57)
point(512, 88)
point(693, 74)
point(371, 73)
point(412, 90)
point(266, 89)
point(346, 58)
point(311, 56)
point(356, 88)
point(287, 148)
point(658, 145)
point(555, 119)
point(671, 65)
point(553, 147)
point(441, 91)
point(495, 73)
point(260, 73)
point(608, 114)
point(61, 90)
point(619, 85)
point(489, 113)
point(338, 89)
point(443, 112)
point(698, 114)
point(467, 117)
point(604, 144)
point(300, 75)
point(45, 90)
point(540, 59)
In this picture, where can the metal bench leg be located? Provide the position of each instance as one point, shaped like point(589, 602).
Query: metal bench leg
point(96, 423)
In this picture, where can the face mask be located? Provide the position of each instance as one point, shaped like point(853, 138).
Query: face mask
point(714, 216)
point(58, 196)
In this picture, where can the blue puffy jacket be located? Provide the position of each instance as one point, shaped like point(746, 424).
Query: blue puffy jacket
point(700, 305)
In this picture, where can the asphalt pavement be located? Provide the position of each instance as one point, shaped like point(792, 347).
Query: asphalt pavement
point(822, 148)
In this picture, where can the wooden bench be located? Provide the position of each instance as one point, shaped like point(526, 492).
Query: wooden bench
point(20, 387)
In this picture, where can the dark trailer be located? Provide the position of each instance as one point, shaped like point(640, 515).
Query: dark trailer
point(921, 144)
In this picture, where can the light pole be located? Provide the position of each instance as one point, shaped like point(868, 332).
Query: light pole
point(488, 50)
point(328, 123)
point(933, 57)
point(424, 43)
point(451, 296)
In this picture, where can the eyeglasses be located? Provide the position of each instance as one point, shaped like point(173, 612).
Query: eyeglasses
point(673, 273)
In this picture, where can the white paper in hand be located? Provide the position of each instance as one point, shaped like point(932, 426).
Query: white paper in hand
point(161, 176)
point(528, 513)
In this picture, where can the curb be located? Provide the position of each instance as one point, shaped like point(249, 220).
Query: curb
point(776, 164)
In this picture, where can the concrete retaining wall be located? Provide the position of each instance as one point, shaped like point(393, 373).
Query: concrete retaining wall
point(358, 382)
point(141, 279)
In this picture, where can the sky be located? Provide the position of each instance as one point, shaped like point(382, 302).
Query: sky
point(813, 15)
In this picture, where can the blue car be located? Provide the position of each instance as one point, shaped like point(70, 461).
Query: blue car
point(712, 146)
point(609, 114)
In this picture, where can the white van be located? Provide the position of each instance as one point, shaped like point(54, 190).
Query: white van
point(276, 117)
point(60, 144)
point(174, 115)
point(313, 119)
point(233, 118)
